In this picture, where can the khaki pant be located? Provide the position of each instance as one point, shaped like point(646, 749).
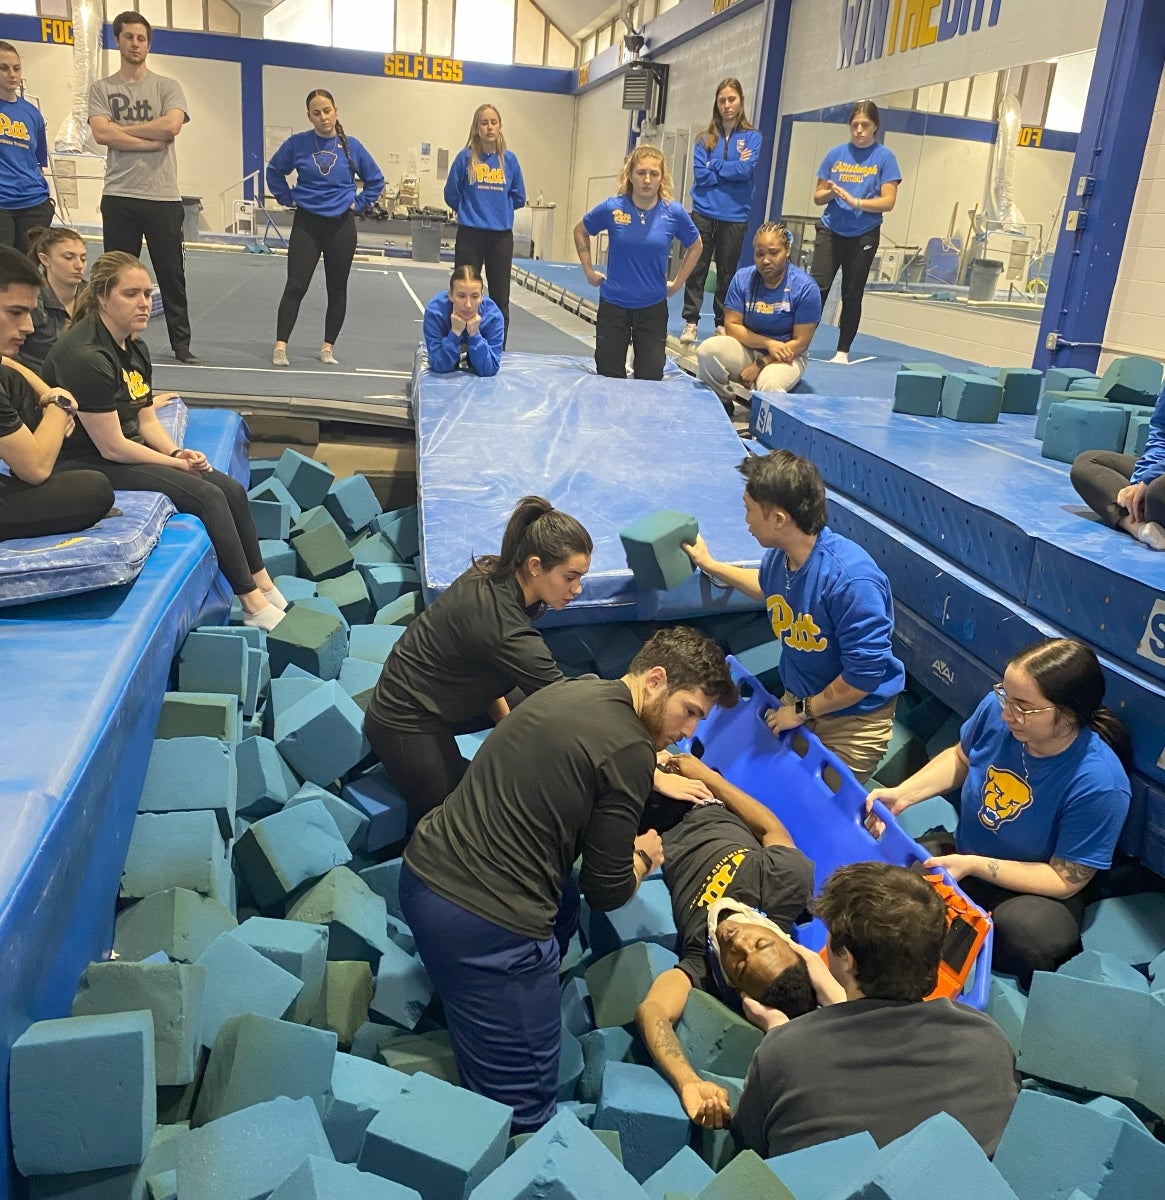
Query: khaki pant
point(859, 740)
point(733, 358)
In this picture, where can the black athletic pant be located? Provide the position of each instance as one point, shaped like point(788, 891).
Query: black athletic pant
point(423, 767)
point(312, 236)
point(16, 222)
point(124, 223)
point(217, 500)
point(722, 240)
point(644, 328)
point(62, 504)
point(493, 251)
point(1098, 475)
point(855, 256)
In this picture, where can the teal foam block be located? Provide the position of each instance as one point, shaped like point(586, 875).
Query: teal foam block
point(932, 368)
point(272, 520)
point(383, 805)
point(421, 1054)
point(814, 1173)
point(470, 743)
point(265, 781)
point(312, 641)
point(322, 553)
point(403, 989)
point(350, 594)
point(389, 581)
point(986, 372)
point(400, 611)
point(1021, 390)
point(1088, 388)
point(570, 1065)
point(255, 638)
point(1151, 1085)
point(374, 550)
point(1132, 380)
point(248, 1154)
point(324, 604)
point(315, 517)
point(747, 1175)
point(563, 1160)
point(373, 643)
point(353, 913)
point(278, 556)
point(764, 662)
point(172, 992)
point(255, 1059)
point(384, 880)
point(190, 775)
point(402, 529)
point(918, 393)
point(971, 398)
point(1109, 1107)
point(1137, 437)
point(353, 503)
point(359, 1090)
point(400, 934)
point(322, 735)
point(646, 917)
point(1102, 967)
point(1079, 425)
point(1156, 972)
point(294, 588)
point(285, 691)
point(653, 549)
point(684, 1172)
point(1047, 399)
point(359, 676)
point(1007, 1007)
point(258, 684)
point(344, 1001)
point(714, 1038)
point(274, 490)
point(600, 1047)
point(1058, 379)
point(118, 1183)
point(241, 981)
point(1051, 1146)
point(1131, 927)
point(370, 1039)
point(299, 948)
point(177, 921)
point(905, 754)
point(577, 1014)
point(173, 850)
point(350, 821)
point(280, 852)
point(213, 663)
point(81, 1093)
point(261, 469)
point(307, 480)
point(199, 714)
point(619, 982)
point(322, 1179)
point(935, 813)
point(643, 1108)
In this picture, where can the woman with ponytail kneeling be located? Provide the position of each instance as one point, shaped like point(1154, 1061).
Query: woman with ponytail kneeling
point(474, 652)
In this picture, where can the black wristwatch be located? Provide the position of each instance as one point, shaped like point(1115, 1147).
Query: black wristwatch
point(645, 858)
point(803, 708)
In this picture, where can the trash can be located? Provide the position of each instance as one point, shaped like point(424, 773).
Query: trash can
point(191, 207)
point(426, 239)
point(984, 279)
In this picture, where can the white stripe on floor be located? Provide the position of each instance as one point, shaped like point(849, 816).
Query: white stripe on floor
point(405, 285)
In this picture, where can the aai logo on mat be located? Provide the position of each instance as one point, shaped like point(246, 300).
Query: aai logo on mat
point(871, 28)
point(1152, 644)
point(764, 418)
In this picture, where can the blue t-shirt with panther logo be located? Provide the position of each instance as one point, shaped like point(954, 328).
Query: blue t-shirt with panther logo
point(772, 312)
point(1020, 807)
point(639, 241)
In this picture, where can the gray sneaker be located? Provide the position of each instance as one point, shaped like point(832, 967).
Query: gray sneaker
point(688, 337)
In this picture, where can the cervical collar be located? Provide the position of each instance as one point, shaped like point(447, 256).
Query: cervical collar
point(743, 914)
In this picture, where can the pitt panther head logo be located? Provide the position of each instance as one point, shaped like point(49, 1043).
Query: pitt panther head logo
point(1005, 796)
point(621, 217)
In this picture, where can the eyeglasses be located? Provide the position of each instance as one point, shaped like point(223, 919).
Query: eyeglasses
point(1020, 713)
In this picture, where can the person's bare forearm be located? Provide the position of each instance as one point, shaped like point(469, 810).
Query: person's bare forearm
point(659, 1036)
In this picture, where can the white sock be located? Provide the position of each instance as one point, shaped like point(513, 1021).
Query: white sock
point(1152, 535)
point(275, 597)
point(266, 618)
point(842, 357)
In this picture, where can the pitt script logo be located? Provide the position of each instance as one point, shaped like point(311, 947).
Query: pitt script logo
point(124, 111)
point(798, 632)
point(1005, 796)
point(139, 390)
point(484, 173)
point(722, 874)
point(13, 131)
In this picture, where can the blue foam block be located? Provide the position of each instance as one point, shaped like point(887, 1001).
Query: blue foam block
point(470, 743)
point(577, 1014)
point(403, 989)
point(646, 917)
point(350, 595)
point(81, 1093)
point(1079, 425)
point(173, 850)
point(618, 982)
point(918, 393)
point(1102, 967)
point(1109, 1107)
point(322, 735)
point(278, 556)
point(374, 642)
point(265, 781)
point(261, 469)
point(358, 676)
point(258, 682)
point(353, 913)
point(373, 550)
point(272, 520)
point(359, 1090)
point(715, 1038)
point(652, 546)
point(274, 490)
point(192, 774)
point(180, 922)
point(210, 663)
point(322, 1179)
point(199, 714)
point(1134, 379)
point(1007, 1007)
point(971, 398)
point(1059, 378)
point(409, 1138)
point(1021, 390)
point(400, 611)
point(600, 1047)
point(1137, 436)
point(353, 503)
point(389, 581)
point(402, 529)
point(242, 981)
point(382, 804)
point(311, 640)
point(299, 948)
point(685, 1171)
point(384, 880)
point(815, 1172)
point(350, 821)
point(307, 480)
point(1131, 927)
point(643, 1108)
point(294, 588)
point(313, 518)
point(570, 1065)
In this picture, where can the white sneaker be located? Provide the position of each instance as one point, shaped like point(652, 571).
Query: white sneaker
point(279, 358)
point(266, 618)
point(326, 356)
point(841, 358)
point(688, 337)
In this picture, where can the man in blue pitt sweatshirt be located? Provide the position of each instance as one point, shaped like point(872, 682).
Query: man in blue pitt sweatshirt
point(828, 603)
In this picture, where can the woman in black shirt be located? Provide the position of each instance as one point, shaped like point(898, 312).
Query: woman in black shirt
point(107, 368)
point(473, 652)
point(59, 254)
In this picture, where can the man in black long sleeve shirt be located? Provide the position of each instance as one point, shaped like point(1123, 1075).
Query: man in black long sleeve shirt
point(567, 773)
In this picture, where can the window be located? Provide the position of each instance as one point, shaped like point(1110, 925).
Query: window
point(360, 26)
point(560, 50)
point(221, 18)
point(484, 30)
point(439, 27)
point(410, 27)
point(306, 21)
point(1070, 91)
point(529, 34)
point(184, 14)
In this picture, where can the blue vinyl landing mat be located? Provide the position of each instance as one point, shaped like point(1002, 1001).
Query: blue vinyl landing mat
point(606, 451)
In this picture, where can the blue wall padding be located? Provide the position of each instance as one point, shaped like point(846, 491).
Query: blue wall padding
point(1079, 425)
point(199, 714)
point(1132, 380)
point(173, 992)
point(373, 642)
point(1021, 390)
point(241, 980)
point(359, 676)
point(273, 490)
point(400, 611)
point(322, 1179)
point(1058, 379)
point(1130, 927)
point(388, 814)
point(1007, 1007)
point(577, 1014)
point(646, 917)
point(918, 393)
point(618, 982)
point(278, 556)
point(321, 735)
point(403, 989)
point(353, 503)
point(384, 880)
point(375, 550)
point(272, 520)
point(350, 593)
point(350, 821)
point(213, 663)
point(187, 774)
point(815, 1172)
point(401, 528)
point(409, 1139)
point(653, 544)
point(1138, 434)
point(265, 781)
point(600, 1047)
point(256, 1058)
point(971, 398)
point(177, 921)
point(299, 948)
point(1047, 399)
point(248, 1154)
point(175, 849)
point(307, 480)
point(359, 1090)
point(313, 641)
point(715, 1038)
point(685, 1171)
point(81, 1092)
point(323, 553)
point(353, 913)
point(388, 581)
point(643, 1108)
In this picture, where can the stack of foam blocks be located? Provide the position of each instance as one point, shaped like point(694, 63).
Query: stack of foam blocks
point(976, 396)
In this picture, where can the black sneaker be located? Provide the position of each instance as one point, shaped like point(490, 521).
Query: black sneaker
point(185, 355)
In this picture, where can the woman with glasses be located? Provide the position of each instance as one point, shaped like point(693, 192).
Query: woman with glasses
point(1043, 771)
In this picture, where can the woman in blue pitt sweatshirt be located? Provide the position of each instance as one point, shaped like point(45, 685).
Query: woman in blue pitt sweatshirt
point(327, 163)
point(484, 187)
point(857, 183)
point(464, 323)
point(640, 223)
point(24, 191)
point(723, 163)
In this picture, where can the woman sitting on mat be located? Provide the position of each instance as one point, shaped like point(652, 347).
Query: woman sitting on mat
point(108, 369)
point(770, 315)
point(640, 223)
point(474, 652)
point(1128, 493)
point(1043, 769)
point(464, 324)
point(857, 183)
point(327, 163)
point(60, 255)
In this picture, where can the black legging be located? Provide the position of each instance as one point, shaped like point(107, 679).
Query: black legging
point(311, 236)
point(721, 240)
point(16, 222)
point(62, 504)
point(616, 328)
point(855, 256)
point(493, 251)
point(217, 500)
point(424, 767)
point(1098, 475)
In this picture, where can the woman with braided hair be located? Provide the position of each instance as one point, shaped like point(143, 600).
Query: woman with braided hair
point(327, 163)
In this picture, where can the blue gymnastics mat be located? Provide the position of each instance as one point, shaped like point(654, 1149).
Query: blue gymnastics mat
point(607, 451)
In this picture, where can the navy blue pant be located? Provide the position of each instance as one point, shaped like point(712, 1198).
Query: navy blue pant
point(501, 998)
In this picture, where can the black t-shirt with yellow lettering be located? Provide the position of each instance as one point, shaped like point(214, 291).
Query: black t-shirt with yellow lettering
point(104, 377)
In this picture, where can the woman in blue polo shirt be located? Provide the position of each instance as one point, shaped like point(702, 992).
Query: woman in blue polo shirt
point(464, 323)
point(640, 222)
point(1043, 768)
point(857, 183)
point(24, 156)
point(770, 315)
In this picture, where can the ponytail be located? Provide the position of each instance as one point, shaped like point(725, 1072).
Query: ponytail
point(536, 529)
point(1113, 731)
point(342, 138)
